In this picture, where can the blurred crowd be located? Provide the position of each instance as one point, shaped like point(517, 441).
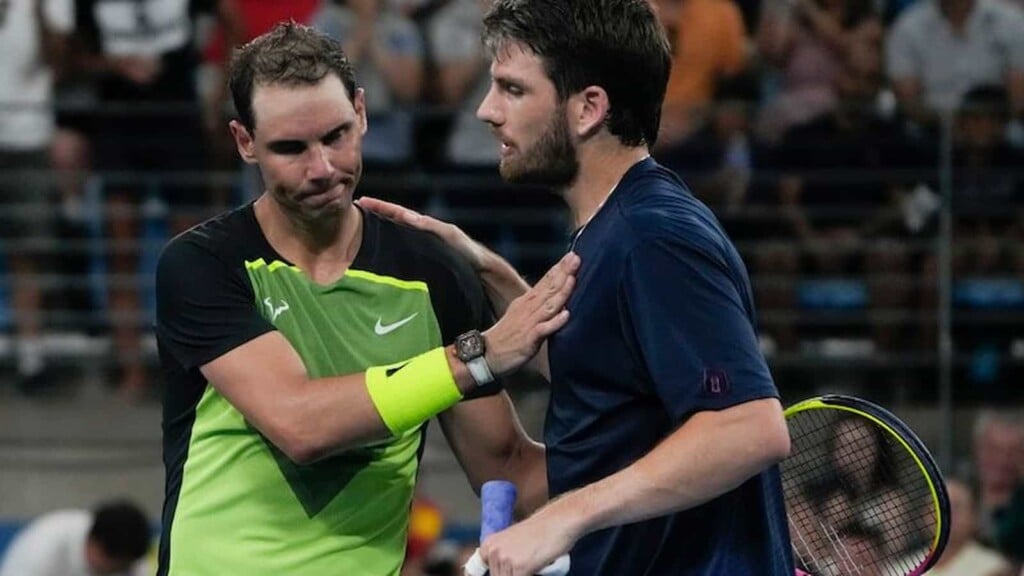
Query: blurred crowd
point(866, 506)
point(823, 132)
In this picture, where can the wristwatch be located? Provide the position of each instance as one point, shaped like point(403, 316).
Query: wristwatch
point(470, 348)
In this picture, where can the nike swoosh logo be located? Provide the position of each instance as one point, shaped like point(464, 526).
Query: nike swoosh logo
point(382, 329)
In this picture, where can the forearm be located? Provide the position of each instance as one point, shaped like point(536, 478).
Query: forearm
point(501, 282)
point(490, 444)
point(711, 454)
point(527, 468)
point(309, 419)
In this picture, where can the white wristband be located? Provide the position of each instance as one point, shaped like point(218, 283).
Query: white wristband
point(480, 371)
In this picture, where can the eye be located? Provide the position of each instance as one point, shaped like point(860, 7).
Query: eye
point(510, 88)
point(287, 148)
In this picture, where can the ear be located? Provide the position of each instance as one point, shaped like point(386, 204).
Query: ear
point(244, 142)
point(359, 105)
point(588, 109)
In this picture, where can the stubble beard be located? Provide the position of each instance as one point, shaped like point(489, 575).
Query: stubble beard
point(551, 161)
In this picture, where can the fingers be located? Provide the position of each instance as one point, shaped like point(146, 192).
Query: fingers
point(388, 210)
point(556, 286)
point(407, 216)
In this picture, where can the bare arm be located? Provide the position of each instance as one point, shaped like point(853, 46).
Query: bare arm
point(490, 443)
point(501, 282)
point(712, 453)
point(309, 419)
point(709, 455)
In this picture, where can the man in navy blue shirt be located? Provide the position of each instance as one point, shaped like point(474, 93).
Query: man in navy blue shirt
point(664, 426)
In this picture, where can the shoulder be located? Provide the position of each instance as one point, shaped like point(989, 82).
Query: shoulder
point(420, 254)
point(659, 208)
point(225, 237)
point(59, 525)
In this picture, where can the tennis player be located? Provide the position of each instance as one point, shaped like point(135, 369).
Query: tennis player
point(303, 346)
point(664, 425)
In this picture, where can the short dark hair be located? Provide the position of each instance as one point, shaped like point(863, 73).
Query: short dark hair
point(291, 54)
point(986, 100)
point(121, 529)
point(619, 45)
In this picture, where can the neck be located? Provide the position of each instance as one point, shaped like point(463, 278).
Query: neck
point(601, 168)
point(324, 248)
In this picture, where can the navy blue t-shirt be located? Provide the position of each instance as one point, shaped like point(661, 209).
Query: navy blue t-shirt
point(662, 326)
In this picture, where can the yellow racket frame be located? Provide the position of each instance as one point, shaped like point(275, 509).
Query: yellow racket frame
point(865, 409)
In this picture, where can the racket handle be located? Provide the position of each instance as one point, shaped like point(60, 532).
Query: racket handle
point(497, 500)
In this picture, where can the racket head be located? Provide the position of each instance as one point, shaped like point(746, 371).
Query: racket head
point(863, 494)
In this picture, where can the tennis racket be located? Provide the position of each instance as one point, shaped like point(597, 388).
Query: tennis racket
point(497, 501)
point(863, 495)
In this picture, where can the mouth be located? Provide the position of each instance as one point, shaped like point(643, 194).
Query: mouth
point(321, 197)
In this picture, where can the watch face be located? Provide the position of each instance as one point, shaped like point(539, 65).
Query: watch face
point(469, 346)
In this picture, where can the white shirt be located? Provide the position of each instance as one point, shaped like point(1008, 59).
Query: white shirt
point(54, 545)
point(973, 559)
point(26, 83)
point(925, 46)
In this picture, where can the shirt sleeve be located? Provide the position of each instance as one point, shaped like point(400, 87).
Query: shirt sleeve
point(462, 307)
point(33, 552)
point(204, 309)
point(685, 316)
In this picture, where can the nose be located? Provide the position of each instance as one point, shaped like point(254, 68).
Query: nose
point(320, 166)
point(488, 110)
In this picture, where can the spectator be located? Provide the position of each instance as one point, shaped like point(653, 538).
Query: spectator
point(386, 49)
point(453, 33)
point(939, 49)
point(112, 540)
point(861, 455)
point(33, 38)
point(840, 190)
point(986, 188)
point(143, 58)
point(718, 160)
point(709, 43)
point(964, 555)
point(998, 452)
point(812, 42)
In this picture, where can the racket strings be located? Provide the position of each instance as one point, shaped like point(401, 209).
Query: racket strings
point(856, 498)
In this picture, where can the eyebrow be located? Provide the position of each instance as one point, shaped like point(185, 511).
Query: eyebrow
point(288, 141)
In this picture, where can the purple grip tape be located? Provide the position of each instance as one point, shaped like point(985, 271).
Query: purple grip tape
point(498, 499)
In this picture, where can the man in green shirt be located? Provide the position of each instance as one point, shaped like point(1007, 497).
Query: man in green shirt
point(302, 343)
